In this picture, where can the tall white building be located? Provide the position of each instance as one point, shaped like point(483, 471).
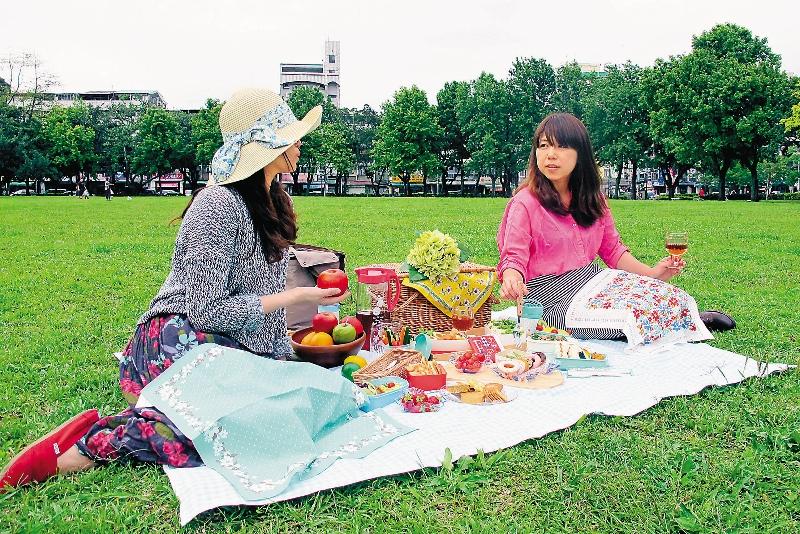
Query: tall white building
point(323, 76)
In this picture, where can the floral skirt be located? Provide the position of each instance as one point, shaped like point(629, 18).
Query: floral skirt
point(146, 434)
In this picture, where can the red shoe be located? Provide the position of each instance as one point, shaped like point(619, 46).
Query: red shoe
point(38, 461)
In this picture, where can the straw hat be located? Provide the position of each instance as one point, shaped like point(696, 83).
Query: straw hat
point(257, 127)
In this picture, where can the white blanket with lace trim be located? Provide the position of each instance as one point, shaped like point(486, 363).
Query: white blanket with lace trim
point(679, 369)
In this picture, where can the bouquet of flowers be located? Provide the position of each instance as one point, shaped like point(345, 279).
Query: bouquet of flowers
point(434, 255)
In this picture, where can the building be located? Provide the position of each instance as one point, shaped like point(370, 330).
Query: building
point(323, 76)
point(594, 70)
point(105, 99)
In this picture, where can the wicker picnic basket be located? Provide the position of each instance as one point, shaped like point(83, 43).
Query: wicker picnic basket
point(417, 313)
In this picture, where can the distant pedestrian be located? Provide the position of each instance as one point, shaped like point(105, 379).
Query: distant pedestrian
point(85, 194)
point(108, 190)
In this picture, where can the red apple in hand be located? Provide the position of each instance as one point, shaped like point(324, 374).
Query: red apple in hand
point(333, 278)
point(356, 324)
point(324, 322)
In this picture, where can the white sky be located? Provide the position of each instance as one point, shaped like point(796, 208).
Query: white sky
point(190, 50)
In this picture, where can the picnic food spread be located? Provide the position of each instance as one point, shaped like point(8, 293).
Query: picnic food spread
point(394, 372)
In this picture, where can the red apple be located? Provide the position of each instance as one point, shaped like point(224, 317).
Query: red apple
point(333, 278)
point(356, 324)
point(324, 322)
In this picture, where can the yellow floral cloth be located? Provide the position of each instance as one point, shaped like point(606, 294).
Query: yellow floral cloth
point(471, 289)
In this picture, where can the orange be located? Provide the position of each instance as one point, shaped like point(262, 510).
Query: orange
point(317, 339)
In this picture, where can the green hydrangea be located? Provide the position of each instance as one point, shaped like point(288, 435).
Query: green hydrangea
point(435, 255)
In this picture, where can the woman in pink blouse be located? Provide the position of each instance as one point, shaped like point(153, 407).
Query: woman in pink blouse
point(558, 222)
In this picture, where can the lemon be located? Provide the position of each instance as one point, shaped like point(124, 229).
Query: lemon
point(355, 358)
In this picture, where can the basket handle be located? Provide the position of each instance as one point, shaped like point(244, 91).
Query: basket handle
point(408, 301)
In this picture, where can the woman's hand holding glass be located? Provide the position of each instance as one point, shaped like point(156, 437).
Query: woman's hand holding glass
point(668, 267)
point(676, 244)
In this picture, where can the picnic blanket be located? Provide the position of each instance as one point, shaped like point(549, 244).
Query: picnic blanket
point(680, 369)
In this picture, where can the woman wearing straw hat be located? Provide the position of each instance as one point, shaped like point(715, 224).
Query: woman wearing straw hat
point(226, 286)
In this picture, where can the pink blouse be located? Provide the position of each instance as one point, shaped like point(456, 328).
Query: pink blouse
point(535, 242)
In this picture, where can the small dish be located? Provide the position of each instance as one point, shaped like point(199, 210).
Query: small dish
point(418, 401)
point(427, 382)
point(384, 399)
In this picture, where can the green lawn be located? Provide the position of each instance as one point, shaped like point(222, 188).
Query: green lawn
point(75, 275)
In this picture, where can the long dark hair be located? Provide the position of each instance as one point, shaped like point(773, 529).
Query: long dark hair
point(274, 220)
point(588, 203)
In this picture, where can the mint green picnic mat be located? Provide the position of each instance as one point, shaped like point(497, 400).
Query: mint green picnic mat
point(264, 424)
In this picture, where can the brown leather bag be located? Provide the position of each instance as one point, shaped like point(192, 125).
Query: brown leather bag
point(305, 264)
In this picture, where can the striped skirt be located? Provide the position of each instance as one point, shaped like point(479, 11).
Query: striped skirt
point(556, 291)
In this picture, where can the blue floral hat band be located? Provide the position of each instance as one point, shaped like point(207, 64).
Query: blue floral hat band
point(257, 126)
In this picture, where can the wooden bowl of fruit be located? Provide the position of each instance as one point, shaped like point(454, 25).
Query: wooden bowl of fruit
point(321, 348)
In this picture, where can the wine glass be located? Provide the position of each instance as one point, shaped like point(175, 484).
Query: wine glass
point(676, 244)
point(463, 317)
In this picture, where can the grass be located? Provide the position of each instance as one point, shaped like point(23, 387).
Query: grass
point(75, 275)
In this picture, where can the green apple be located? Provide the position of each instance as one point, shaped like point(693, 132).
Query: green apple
point(343, 333)
point(348, 369)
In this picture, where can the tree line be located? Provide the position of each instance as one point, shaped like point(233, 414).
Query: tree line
point(726, 109)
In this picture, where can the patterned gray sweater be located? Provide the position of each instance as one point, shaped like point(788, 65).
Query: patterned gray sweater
point(219, 272)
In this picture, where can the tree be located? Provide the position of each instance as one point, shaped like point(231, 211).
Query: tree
point(723, 102)
point(301, 100)
point(782, 169)
point(762, 88)
point(25, 82)
point(570, 89)
point(115, 129)
point(618, 120)
point(363, 125)
point(36, 166)
point(11, 153)
point(485, 116)
point(22, 149)
point(157, 136)
point(22, 144)
point(792, 122)
point(335, 154)
point(70, 139)
point(531, 87)
point(206, 134)
point(669, 162)
point(407, 135)
point(453, 151)
point(185, 151)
